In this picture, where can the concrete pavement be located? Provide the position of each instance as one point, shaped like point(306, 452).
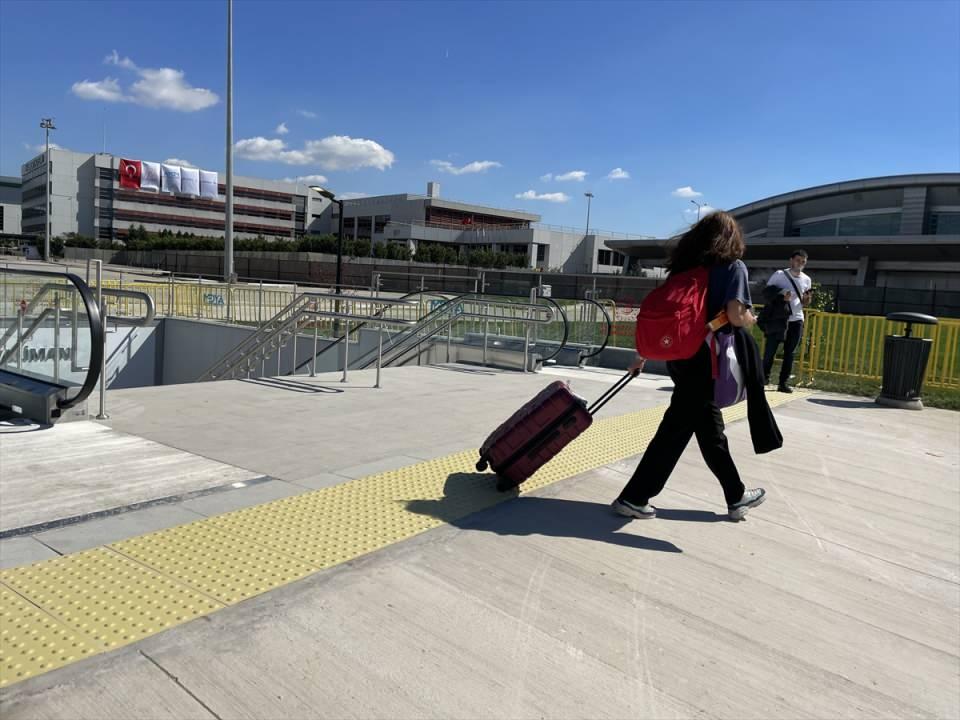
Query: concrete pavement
point(838, 598)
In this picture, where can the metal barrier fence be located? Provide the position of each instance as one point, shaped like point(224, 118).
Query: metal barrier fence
point(852, 346)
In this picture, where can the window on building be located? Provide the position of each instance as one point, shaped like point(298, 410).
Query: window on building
point(820, 228)
point(885, 224)
point(364, 227)
point(380, 223)
point(945, 223)
point(2, 208)
point(609, 257)
point(541, 253)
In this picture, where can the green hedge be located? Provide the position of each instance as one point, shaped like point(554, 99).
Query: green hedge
point(139, 239)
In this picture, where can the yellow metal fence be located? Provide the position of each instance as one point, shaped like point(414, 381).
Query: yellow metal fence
point(852, 346)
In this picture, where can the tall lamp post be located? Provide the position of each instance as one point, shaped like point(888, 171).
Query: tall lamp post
point(47, 125)
point(589, 197)
point(228, 273)
point(699, 205)
point(329, 195)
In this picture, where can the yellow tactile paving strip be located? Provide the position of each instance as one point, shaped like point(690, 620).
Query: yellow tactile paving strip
point(62, 610)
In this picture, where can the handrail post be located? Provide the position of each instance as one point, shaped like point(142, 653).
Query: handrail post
point(486, 328)
point(19, 346)
point(316, 330)
point(295, 333)
point(379, 354)
point(346, 351)
point(102, 415)
point(199, 293)
point(56, 337)
point(260, 304)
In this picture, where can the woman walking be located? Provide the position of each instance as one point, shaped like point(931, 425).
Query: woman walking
point(716, 243)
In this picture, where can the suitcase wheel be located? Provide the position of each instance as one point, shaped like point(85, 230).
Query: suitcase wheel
point(481, 464)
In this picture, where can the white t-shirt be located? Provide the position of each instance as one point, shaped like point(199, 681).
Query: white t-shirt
point(779, 279)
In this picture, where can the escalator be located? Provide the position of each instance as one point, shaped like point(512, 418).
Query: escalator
point(51, 343)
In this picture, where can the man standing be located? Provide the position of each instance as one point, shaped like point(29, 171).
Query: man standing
point(794, 285)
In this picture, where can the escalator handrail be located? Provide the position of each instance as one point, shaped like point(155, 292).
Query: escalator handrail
point(96, 331)
point(606, 316)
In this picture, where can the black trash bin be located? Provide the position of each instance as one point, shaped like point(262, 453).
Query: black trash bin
point(905, 363)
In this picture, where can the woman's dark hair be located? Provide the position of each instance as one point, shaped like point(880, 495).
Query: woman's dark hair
point(715, 239)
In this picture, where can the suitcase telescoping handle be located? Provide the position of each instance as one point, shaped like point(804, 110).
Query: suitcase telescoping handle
point(613, 390)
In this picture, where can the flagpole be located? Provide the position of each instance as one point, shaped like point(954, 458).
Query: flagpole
point(228, 274)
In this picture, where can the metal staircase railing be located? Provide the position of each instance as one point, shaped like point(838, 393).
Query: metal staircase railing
point(301, 313)
point(473, 308)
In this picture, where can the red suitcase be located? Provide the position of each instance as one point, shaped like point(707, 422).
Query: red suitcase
point(538, 431)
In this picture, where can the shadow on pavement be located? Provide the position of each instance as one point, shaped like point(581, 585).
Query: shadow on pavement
point(689, 515)
point(845, 403)
point(291, 385)
point(471, 502)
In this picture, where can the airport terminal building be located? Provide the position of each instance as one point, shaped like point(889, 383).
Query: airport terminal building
point(97, 195)
point(901, 231)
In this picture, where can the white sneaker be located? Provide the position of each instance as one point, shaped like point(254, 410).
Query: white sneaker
point(643, 512)
point(751, 498)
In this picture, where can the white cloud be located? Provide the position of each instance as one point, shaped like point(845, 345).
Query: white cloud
point(156, 88)
point(107, 90)
point(41, 148)
point(703, 210)
point(578, 175)
point(618, 174)
point(282, 129)
point(337, 152)
point(306, 114)
point(340, 152)
point(307, 179)
point(547, 178)
point(549, 197)
point(477, 166)
point(178, 161)
point(114, 59)
point(686, 192)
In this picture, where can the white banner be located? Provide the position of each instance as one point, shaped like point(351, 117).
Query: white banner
point(189, 181)
point(150, 176)
point(171, 178)
point(208, 185)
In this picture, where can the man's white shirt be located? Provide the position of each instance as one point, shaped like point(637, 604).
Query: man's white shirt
point(779, 279)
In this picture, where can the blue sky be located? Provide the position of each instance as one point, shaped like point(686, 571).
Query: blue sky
point(503, 103)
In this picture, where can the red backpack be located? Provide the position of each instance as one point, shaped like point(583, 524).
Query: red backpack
point(672, 322)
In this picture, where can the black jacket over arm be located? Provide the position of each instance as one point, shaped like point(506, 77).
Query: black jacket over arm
point(763, 426)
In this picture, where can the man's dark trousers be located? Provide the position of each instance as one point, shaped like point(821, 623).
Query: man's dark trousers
point(790, 343)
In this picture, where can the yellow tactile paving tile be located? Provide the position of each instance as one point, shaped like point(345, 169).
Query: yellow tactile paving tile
point(224, 566)
point(32, 642)
point(103, 597)
point(60, 610)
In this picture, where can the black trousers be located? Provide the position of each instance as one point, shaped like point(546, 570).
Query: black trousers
point(692, 411)
point(791, 342)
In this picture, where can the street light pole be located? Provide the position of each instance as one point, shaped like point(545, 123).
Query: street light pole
point(699, 205)
point(589, 196)
point(47, 125)
point(331, 196)
point(228, 273)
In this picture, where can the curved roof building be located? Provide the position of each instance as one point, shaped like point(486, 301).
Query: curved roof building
point(898, 231)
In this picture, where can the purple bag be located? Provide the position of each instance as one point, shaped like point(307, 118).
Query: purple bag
point(729, 388)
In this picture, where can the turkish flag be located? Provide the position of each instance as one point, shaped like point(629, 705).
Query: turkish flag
point(130, 171)
point(467, 221)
